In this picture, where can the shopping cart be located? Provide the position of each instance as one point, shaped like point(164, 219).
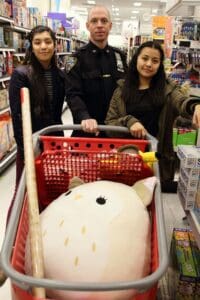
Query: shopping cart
point(91, 159)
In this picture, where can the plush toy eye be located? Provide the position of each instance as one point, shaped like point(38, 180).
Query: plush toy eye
point(101, 200)
point(69, 192)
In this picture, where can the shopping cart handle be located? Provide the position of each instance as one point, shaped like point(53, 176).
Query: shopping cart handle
point(120, 129)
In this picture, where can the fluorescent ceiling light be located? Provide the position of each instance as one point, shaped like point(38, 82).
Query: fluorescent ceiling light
point(91, 1)
point(137, 3)
point(115, 8)
point(135, 11)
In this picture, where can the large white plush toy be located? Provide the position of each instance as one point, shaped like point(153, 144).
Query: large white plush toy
point(98, 232)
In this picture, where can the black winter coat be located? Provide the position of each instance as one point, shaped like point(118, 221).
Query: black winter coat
point(21, 78)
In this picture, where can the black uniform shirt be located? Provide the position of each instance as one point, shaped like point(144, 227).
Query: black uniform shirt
point(91, 81)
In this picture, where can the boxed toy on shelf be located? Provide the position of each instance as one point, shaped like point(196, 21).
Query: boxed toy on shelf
point(188, 183)
point(185, 265)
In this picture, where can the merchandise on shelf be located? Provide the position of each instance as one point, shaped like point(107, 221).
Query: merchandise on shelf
point(14, 39)
point(2, 65)
point(185, 275)
point(6, 134)
point(6, 8)
point(3, 98)
point(188, 183)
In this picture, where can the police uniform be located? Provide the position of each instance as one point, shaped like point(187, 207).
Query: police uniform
point(91, 80)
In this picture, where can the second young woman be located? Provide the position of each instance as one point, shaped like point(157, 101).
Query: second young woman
point(146, 101)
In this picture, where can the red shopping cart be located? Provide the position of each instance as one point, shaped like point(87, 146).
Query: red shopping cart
point(90, 159)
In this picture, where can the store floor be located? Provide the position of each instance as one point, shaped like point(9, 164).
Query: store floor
point(173, 213)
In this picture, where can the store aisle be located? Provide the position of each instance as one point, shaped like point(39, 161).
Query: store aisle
point(172, 210)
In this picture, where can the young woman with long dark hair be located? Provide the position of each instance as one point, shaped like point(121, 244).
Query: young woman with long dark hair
point(146, 101)
point(45, 81)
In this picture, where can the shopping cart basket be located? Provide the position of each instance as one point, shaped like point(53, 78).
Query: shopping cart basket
point(90, 159)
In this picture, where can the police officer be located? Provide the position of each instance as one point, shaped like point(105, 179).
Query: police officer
point(91, 78)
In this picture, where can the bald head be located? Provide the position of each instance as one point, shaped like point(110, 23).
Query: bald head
point(99, 25)
point(96, 8)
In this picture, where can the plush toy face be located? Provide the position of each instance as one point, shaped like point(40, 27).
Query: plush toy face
point(96, 232)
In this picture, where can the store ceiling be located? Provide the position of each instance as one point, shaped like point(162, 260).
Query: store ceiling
point(122, 10)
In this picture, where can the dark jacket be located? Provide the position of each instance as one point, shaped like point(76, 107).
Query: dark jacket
point(91, 81)
point(19, 79)
point(176, 103)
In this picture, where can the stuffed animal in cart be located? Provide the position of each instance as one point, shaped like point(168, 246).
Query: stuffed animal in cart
point(97, 232)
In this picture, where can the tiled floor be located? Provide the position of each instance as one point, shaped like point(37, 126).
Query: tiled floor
point(172, 211)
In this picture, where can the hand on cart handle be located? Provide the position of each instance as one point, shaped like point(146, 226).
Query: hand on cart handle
point(137, 130)
point(90, 125)
point(196, 116)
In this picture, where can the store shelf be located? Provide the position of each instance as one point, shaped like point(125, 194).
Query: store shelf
point(20, 29)
point(195, 226)
point(4, 78)
point(5, 110)
point(193, 222)
point(6, 20)
point(63, 53)
point(7, 50)
point(8, 159)
point(60, 37)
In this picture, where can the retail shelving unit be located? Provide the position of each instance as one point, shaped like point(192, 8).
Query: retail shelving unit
point(193, 222)
point(10, 155)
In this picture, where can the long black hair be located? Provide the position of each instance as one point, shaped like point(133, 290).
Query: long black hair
point(157, 84)
point(38, 92)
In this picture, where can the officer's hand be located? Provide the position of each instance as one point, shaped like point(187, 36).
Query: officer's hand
point(138, 131)
point(196, 116)
point(90, 125)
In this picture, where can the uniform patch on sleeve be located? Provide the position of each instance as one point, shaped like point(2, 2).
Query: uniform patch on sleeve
point(70, 63)
point(120, 66)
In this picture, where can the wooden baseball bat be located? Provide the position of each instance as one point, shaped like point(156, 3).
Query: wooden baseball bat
point(33, 209)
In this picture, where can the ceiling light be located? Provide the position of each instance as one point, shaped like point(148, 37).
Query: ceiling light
point(115, 8)
point(154, 10)
point(133, 17)
point(137, 3)
point(91, 1)
point(135, 11)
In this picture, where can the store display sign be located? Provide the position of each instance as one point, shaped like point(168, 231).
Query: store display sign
point(168, 41)
point(58, 16)
point(158, 24)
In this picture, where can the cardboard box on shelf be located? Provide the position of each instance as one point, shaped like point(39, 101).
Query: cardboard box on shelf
point(189, 156)
point(189, 182)
point(187, 197)
point(196, 257)
point(184, 136)
point(191, 172)
point(183, 265)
